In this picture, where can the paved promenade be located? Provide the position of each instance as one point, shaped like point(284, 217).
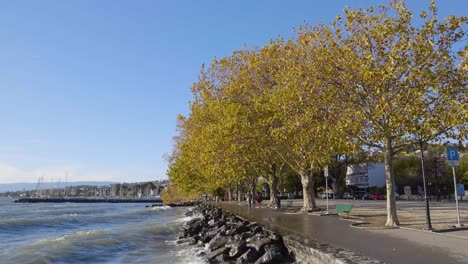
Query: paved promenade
point(410, 213)
point(389, 245)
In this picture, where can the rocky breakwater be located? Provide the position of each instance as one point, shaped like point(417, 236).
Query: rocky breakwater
point(226, 238)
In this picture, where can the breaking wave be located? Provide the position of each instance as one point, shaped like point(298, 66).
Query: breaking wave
point(98, 233)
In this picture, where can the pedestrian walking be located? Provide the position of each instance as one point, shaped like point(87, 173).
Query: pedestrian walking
point(259, 199)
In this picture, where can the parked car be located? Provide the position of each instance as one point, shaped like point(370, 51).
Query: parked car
point(324, 195)
point(377, 196)
point(362, 195)
point(347, 196)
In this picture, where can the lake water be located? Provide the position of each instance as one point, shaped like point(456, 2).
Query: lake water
point(92, 233)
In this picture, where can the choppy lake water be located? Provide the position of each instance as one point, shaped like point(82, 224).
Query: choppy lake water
point(91, 233)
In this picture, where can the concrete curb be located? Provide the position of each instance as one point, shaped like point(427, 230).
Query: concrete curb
point(357, 225)
point(435, 233)
point(450, 229)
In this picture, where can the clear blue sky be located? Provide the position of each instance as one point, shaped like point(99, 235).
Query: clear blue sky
point(93, 87)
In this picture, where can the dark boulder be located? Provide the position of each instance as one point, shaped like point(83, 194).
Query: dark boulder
point(206, 237)
point(218, 243)
point(195, 228)
point(250, 256)
point(258, 242)
point(189, 240)
point(191, 222)
point(255, 228)
point(230, 239)
point(196, 238)
point(212, 255)
point(189, 213)
point(237, 248)
point(224, 259)
point(272, 255)
point(278, 240)
point(247, 234)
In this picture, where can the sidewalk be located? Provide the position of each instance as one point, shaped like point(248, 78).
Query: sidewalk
point(410, 213)
point(388, 245)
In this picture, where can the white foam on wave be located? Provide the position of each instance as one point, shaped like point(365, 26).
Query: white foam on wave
point(77, 235)
point(183, 219)
point(189, 255)
point(162, 208)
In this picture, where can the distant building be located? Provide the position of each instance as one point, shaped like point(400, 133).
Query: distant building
point(364, 175)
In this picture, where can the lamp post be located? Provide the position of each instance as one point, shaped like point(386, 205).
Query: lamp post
point(428, 225)
point(325, 173)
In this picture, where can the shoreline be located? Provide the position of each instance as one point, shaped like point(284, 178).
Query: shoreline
point(86, 200)
point(223, 237)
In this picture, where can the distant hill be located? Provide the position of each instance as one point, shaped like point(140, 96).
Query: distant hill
point(12, 187)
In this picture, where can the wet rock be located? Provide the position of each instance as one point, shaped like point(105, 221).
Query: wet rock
point(230, 239)
point(249, 257)
point(247, 234)
point(189, 240)
point(211, 234)
point(259, 240)
point(256, 228)
point(218, 243)
point(272, 255)
point(189, 213)
point(190, 222)
point(260, 243)
point(211, 222)
point(237, 248)
point(242, 229)
point(278, 241)
point(196, 238)
point(212, 255)
point(224, 259)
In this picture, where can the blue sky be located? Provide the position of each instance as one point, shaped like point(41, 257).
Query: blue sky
point(93, 88)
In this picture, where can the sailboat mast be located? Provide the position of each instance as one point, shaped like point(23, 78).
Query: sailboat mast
point(66, 181)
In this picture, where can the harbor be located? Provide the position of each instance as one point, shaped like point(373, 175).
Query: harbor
point(89, 200)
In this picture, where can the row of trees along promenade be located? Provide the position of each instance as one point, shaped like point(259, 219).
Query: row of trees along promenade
point(371, 83)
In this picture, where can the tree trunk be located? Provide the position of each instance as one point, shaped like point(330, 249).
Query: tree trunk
point(253, 188)
point(335, 187)
point(239, 194)
point(273, 182)
point(281, 179)
point(308, 191)
point(392, 219)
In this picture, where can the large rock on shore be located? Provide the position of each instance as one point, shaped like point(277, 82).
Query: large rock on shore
point(230, 239)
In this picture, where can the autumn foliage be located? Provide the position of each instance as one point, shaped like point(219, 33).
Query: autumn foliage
point(373, 79)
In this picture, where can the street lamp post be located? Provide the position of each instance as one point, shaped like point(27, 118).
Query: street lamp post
point(428, 225)
point(325, 172)
point(456, 196)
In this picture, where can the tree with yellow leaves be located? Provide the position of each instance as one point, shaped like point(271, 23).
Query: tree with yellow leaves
point(402, 82)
